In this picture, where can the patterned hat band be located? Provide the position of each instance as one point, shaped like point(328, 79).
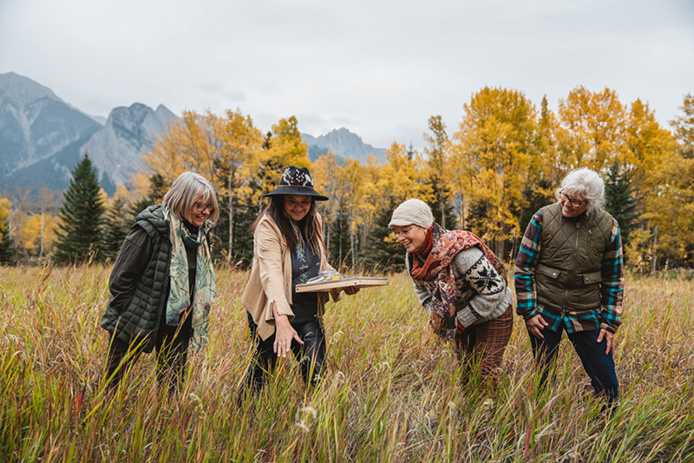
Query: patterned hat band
point(296, 181)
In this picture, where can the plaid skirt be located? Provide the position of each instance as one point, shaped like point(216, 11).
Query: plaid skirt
point(485, 344)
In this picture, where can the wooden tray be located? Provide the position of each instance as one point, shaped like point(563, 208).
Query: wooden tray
point(325, 286)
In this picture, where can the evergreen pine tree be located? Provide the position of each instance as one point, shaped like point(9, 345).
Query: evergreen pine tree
point(241, 252)
point(619, 200)
point(438, 152)
point(7, 250)
point(339, 237)
point(81, 217)
point(535, 196)
point(242, 247)
point(157, 189)
point(383, 252)
point(116, 228)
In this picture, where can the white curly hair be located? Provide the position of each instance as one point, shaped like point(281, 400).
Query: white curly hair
point(584, 184)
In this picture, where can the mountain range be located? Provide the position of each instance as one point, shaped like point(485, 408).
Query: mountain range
point(344, 144)
point(42, 138)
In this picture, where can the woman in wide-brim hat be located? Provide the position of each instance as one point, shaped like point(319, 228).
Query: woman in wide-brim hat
point(288, 249)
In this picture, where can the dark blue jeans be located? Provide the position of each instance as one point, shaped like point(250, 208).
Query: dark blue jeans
point(310, 355)
point(600, 367)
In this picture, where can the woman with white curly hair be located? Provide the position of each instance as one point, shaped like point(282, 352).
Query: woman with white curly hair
point(570, 277)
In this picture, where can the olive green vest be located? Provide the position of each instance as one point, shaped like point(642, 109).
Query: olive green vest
point(568, 273)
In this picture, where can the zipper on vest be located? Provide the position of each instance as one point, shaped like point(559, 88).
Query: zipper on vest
point(573, 268)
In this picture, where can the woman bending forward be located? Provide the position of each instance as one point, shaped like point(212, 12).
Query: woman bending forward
point(460, 282)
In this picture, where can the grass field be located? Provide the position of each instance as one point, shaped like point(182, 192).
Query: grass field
point(391, 391)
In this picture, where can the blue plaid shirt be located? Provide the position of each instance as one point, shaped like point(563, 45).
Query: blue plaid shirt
point(611, 287)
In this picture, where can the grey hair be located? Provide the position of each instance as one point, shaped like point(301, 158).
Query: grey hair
point(586, 184)
point(186, 190)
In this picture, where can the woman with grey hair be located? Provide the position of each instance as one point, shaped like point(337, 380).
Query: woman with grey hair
point(162, 283)
point(461, 284)
point(570, 277)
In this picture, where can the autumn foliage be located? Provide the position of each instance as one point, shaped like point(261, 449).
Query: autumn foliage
point(487, 173)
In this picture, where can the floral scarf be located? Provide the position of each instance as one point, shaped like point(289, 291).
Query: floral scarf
point(205, 287)
point(444, 246)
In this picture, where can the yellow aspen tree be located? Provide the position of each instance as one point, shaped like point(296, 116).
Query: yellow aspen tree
point(648, 145)
point(203, 141)
point(36, 234)
point(324, 169)
point(48, 201)
point(670, 211)
point(402, 176)
point(358, 210)
point(285, 147)
point(670, 208)
point(5, 211)
point(464, 170)
point(6, 245)
point(371, 204)
point(596, 122)
point(495, 145)
point(371, 199)
point(193, 143)
point(683, 127)
point(329, 179)
point(548, 167)
point(240, 142)
point(165, 158)
point(437, 153)
point(139, 185)
point(350, 212)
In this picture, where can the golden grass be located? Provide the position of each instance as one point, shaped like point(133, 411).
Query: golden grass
point(391, 391)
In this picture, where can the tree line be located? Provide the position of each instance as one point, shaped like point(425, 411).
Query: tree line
point(499, 165)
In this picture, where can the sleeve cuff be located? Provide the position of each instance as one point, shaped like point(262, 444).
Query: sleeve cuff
point(270, 318)
point(465, 317)
point(527, 316)
point(608, 327)
point(336, 295)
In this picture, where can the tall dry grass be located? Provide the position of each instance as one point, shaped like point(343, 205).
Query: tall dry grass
point(391, 391)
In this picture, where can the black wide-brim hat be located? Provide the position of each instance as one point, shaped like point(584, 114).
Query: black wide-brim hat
point(296, 181)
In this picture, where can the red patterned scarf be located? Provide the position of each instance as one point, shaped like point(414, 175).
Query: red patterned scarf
point(445, 245)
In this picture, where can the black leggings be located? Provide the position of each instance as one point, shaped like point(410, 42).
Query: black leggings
point(310, 355)
point(172, 355)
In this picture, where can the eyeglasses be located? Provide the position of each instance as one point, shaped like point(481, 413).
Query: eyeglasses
point(574, 202)
point(202, 208)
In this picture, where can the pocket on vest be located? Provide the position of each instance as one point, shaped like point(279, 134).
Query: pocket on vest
point(592, 278)
point(550, 272)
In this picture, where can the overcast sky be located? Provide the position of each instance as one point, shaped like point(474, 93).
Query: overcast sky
point(378, 68)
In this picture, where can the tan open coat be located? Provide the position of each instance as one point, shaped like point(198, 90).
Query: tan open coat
point(271, 277)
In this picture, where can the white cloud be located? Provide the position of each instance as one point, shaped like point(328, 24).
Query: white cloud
point(379, 68)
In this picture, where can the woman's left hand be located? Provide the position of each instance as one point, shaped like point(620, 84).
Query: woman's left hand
point(284, 336)
point(351, 290)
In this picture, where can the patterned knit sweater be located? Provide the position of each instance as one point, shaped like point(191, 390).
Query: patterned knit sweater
point(481, 293)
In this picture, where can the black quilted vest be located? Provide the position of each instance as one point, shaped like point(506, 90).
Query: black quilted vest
point(140, 321)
